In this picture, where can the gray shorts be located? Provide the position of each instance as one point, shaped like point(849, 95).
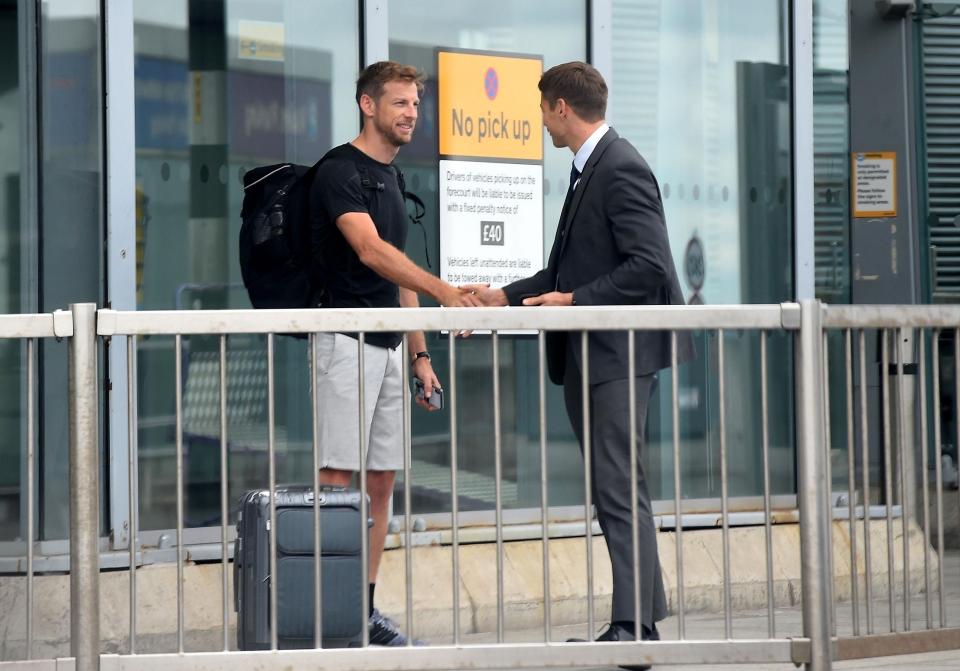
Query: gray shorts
point(338, 404)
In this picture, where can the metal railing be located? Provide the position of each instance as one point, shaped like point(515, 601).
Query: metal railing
point(811, 323)
point(31, 329)
point(894, 341)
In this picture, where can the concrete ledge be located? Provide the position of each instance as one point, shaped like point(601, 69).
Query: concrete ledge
point(433, 587)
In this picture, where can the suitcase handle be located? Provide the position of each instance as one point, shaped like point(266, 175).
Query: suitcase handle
point(324, 489)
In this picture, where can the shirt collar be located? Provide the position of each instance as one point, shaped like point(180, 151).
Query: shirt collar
point(582, 156)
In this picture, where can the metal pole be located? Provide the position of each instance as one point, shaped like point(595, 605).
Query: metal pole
point(865, 460)
point(178, 393)
point(851, 484)
point(724, 491)
point(29, 486)
point(677, 494)
point(906, 477)
point(925, 493)
point(224, 495)
point(317, 522)
point(827, 442)
point(815, 584)
point(364, 504)
point(634, 517)
point(888, 477)
point(84, 489)
point(454, 494)
point(938, 455)
point(497, 476)
point(956, 397)
point(272, 484)
point(407, 496)
point(132, 479)
point(587, 474)
point(767, 513)
point(544, 478)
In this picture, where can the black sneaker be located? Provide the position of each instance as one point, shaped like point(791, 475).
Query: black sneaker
point(384, 631)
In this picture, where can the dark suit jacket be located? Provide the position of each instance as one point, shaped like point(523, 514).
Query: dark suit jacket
point(611, 248)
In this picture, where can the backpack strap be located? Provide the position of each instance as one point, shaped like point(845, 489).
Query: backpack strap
point(365, 181)
point(419, 210)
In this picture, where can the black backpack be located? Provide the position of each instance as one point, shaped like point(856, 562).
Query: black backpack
point(275, 237)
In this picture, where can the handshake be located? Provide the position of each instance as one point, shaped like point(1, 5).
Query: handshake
point(481, 295)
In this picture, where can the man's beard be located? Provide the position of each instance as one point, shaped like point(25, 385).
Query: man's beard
point(391, 134)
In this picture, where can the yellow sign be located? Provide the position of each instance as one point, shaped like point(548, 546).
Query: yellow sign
point(489, 106)
point(874, 184)
point(260, 40)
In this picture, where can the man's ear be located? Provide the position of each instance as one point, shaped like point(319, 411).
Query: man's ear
point(367, 105)
point(562, 109)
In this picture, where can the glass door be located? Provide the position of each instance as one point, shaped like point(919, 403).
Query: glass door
point(222, 86)
point(14, 271)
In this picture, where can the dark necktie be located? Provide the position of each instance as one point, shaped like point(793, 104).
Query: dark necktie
point(561, 227)
point(574, 176)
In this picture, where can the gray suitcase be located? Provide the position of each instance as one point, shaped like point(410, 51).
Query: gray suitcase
point(341, 570)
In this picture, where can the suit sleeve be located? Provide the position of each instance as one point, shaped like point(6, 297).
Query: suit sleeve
point(539, 283)
point(635, 218)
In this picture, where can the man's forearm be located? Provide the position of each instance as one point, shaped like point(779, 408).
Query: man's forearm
point(392, 264)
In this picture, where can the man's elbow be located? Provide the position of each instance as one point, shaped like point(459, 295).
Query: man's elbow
point(652, 270)
point(368, 255)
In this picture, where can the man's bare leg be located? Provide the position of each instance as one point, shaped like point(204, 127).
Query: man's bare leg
point(380, 490)
point(383, 631)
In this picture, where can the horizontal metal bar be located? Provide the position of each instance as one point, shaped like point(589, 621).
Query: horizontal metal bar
point(601, 318)
point(901, 643)
point(202, 544)
point(504, 656)
point(891, 316)
point(34, 326)
point(62, 664)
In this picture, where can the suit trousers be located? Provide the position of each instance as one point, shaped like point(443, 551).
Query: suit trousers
point(610, 488)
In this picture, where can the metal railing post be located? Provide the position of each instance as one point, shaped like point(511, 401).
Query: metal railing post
point(816, 586)
point(84, 490)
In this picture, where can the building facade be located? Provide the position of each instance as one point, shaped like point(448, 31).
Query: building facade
point(126, 128)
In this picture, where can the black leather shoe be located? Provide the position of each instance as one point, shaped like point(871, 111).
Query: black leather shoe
point(615, 632)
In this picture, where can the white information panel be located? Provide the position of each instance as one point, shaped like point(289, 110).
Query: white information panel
point(491, 221)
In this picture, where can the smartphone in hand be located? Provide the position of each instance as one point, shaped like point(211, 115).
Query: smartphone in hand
point(436, 396)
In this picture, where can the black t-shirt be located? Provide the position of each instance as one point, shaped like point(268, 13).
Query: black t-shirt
point(350, 181)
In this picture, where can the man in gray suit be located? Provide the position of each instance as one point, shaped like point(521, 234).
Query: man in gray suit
point(611, 248)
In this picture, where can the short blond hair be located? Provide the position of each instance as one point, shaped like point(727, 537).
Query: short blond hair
point(375, 76)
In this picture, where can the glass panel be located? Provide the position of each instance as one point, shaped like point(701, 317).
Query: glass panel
point(831, 141)
point(557, 32)
point(223, 86)
point(831, 174)
point(71, 187)
point(702, 91)
point(12, 261)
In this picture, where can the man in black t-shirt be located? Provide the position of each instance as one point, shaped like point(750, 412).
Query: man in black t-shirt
point(359, 229)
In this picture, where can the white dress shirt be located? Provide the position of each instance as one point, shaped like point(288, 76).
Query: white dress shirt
point(583, 155)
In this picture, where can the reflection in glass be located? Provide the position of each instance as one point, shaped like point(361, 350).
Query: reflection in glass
point(72, 218)
point(222, 86)
point(703, 93)
point(831, 140)
point(831, 174)
point(12, 281)
point(557, 32)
